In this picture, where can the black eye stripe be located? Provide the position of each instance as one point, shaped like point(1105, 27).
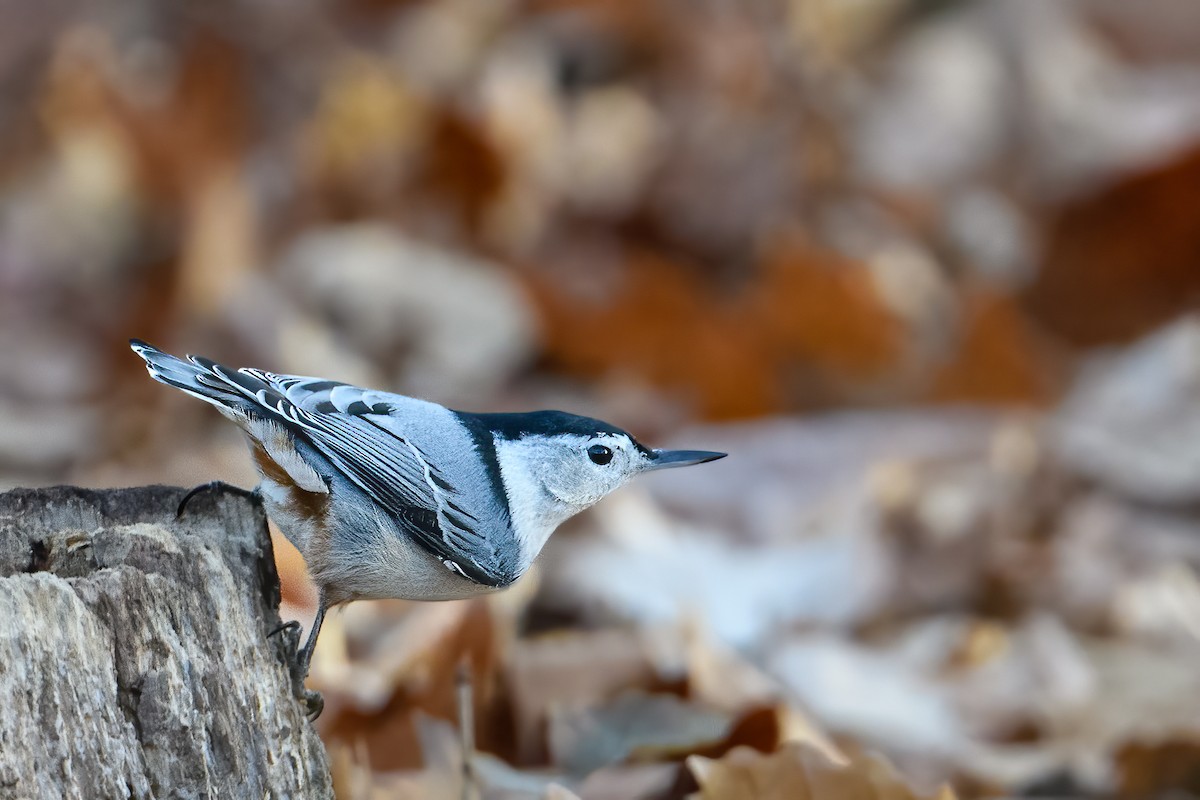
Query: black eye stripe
point(599, 454)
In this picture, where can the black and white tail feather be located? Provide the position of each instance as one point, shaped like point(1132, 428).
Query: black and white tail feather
point(313, 427)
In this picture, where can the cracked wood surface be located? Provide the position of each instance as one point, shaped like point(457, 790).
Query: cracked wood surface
point(135, 659)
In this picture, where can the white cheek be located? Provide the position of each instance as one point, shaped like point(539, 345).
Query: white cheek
point(592, 488)
point(535, 510)
point(602, 480)
point(577, 484)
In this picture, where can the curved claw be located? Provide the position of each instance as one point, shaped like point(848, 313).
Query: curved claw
point(212, 486)
point(294, 625)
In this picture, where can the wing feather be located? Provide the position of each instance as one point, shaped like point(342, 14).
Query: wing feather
point(397, 476)
point(387, 467)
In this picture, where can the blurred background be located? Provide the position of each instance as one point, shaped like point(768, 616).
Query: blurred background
point(925, 268)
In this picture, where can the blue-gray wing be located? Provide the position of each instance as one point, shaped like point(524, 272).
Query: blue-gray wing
point(346, 426)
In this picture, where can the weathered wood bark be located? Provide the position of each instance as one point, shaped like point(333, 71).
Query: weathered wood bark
point(135, 659)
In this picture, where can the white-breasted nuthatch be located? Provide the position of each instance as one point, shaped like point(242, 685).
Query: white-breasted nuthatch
point(387, 496)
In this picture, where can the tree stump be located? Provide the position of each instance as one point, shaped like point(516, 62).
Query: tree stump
point(135, 656)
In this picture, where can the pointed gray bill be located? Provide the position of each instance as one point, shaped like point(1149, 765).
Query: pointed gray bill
point(665, 459)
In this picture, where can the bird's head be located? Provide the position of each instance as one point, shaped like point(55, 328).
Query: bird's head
point(571, 462)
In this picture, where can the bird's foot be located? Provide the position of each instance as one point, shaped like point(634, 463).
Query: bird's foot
point(213, 486)
point(298, 664)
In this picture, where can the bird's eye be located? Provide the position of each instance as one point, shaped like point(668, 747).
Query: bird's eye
point(599, 454)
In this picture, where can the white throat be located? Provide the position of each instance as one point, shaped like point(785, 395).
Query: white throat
point(535, 512)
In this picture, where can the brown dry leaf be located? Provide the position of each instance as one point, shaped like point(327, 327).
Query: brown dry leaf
point(205, 121)
point(825, 309)
point(762, 729)
point(798, 772)
point(404, 652)
point(441, 773)
point(722, 678)
point(461, 171)
point(569, 670)
point(998, 358)
point(1166, 767)
point(419, 679)
point(662, 325)
point(766, 728)
point(1123, 261)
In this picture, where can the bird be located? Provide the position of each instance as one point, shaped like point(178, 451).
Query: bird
point(390, 496)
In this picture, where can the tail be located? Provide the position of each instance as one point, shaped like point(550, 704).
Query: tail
point(199, 377)
point(249, 397)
